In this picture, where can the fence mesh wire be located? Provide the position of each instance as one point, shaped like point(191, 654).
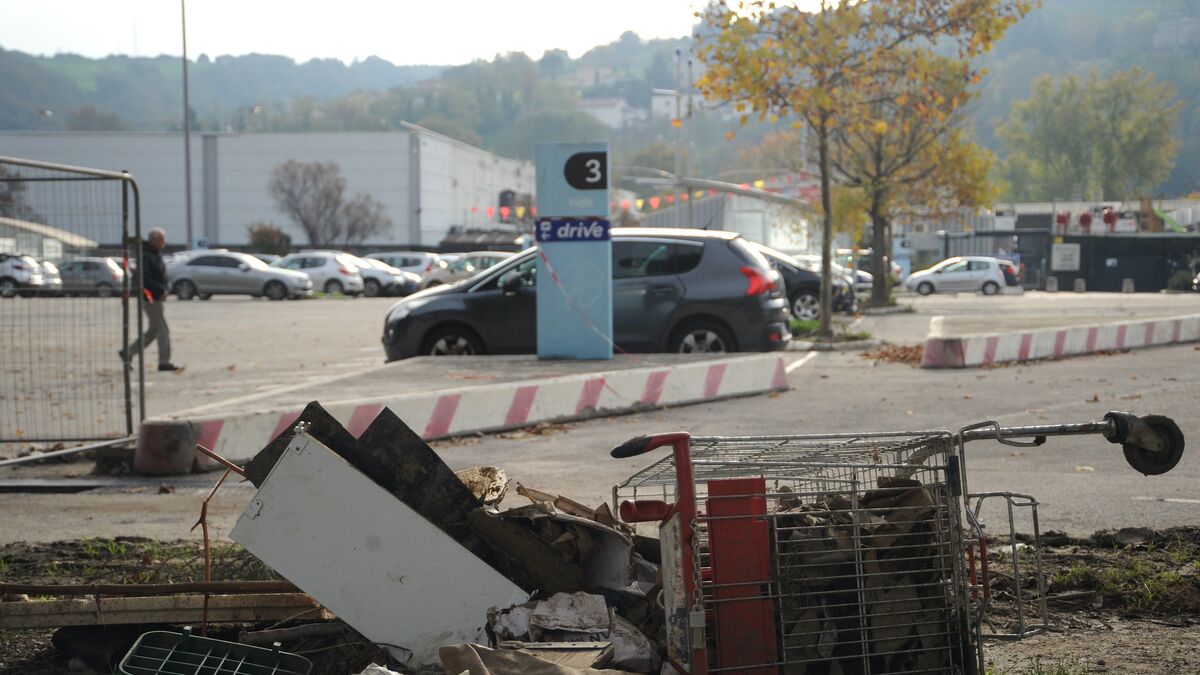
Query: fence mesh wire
point(62, 311)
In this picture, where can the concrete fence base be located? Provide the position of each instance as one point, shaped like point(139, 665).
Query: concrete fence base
point(971, 351)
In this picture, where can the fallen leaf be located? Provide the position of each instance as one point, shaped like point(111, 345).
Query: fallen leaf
point(1094, 399)
point(966, 396)
point(824, 377)
point(1083, 468)
point(231, 367)
point(164, 489)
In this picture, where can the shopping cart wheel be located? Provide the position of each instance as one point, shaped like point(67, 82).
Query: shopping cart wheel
point(1153, 444)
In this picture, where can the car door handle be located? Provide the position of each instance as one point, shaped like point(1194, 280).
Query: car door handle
point(661, 289)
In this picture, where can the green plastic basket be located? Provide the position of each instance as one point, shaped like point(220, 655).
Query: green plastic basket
point(168, 653)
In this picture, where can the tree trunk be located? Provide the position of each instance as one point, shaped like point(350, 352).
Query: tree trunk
point(826, 327)
point(881, 286)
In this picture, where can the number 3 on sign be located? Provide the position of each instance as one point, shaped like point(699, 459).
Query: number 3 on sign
point(587, 171)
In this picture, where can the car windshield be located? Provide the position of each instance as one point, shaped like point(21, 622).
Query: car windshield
point(380, 265)
point(254, 263)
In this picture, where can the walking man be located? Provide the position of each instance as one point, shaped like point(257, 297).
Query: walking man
point(154, 293)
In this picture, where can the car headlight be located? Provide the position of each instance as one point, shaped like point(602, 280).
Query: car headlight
point(401, 309)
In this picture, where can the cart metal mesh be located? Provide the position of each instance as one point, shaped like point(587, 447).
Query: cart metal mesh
point(824, 554)
point(168, 653)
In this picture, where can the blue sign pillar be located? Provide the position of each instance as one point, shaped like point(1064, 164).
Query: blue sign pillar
point(574, 269)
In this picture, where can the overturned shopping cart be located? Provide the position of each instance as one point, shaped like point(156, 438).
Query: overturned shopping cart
point(839, 553)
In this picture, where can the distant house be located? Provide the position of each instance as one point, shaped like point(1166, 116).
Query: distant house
point(614, 113)
point(40, 240)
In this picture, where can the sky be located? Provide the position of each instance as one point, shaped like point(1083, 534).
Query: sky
point(446, 32)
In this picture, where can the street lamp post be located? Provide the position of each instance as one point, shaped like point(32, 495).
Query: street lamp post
point(187, 130)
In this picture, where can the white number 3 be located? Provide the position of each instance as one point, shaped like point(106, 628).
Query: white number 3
point(593, 168)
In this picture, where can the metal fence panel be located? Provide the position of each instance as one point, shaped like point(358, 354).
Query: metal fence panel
point(65, 306)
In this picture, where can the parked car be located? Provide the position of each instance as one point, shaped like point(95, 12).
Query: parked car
point(804, 286)
point(330, 271)
point(965, 273)
point(226, 273)
point(52, 283)
point(380, 278)
point(674, 290)
point(417, 262)
point(19, 274)
point(447, 271)
point(268, 258)
point(102, 277)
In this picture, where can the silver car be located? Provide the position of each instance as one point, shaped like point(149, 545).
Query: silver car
point(417, 262)
point(331, 271)
point(218, 273)
point(102, 277)
point(19, 274)
point(470, 264)
point(52, 280)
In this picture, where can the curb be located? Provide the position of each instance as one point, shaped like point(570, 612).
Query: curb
point(970, 351)
point(849, 346)
point(495, 407)
point(896, 309)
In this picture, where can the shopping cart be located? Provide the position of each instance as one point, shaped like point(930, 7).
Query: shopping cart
point(838, 553)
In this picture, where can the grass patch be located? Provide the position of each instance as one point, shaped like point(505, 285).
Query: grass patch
point(1039, 668)
point(1138, 584)
point(808, 328)
point(127, 561)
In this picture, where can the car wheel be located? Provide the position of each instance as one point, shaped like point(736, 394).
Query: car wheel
point(807, 307)
point(703, 338)
point(8, 288)
point(185, 290)
point(453, 341)
point(372, 288)
point(104, 290)
point(275, 290)
point(991, 288)
point(925, 288)
point(333, 286)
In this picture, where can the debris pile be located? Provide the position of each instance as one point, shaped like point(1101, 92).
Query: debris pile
point(551, 570)
point(865, 580)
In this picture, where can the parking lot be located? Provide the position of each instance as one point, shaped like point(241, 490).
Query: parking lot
point(239, 347)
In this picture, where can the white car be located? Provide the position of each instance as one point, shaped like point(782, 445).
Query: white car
point(990, 276)
point(19, 274)
point(380, 278)
point(417, 262)
point(330, 271)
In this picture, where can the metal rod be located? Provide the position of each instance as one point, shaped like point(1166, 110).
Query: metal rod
point(66, 451)
point(53, 166)
point(125, 308)
point(187, 128)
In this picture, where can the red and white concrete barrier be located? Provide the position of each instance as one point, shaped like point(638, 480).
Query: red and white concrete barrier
point(969, 351)
point(493, 407)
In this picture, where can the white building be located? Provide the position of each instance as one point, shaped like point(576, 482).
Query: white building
point(614, 113)
point(425, 181)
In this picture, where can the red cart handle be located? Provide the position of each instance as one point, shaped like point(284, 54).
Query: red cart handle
point(640, 445)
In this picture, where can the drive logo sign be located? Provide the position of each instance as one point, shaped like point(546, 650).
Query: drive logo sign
point(573, 229)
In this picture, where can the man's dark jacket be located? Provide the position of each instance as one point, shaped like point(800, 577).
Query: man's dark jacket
point(154, 272)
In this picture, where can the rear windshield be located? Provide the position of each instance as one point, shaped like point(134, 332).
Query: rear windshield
point(749, 254)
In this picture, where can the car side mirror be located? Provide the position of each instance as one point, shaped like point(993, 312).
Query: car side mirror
point(937, 271)
point(510, 282)
point(243, 267)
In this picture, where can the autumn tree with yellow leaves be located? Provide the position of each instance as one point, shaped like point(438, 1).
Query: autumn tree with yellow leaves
point(827, 67)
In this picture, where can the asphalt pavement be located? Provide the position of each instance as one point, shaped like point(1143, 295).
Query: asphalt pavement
point(237, 346)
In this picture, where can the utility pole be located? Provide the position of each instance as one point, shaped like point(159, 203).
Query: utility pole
point(686, 168)
point(187, 130)
point(677, 123)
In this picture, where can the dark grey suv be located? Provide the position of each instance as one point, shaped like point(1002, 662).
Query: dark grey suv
point(674, 290)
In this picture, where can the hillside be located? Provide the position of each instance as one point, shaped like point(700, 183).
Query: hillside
point(511, 102)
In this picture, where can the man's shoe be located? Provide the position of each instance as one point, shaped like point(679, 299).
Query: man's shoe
point(169, 367)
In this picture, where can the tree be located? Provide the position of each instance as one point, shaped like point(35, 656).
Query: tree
point(822, 68)
point(268, 238)
point(913, 156)
point(313, 194)
point(12, 197)
point(1100, 138)
point(91, 118)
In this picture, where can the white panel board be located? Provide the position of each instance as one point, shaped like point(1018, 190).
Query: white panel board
point(386, 571)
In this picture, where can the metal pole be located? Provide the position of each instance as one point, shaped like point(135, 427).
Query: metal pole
point(125, 286)
point(187, 129)
point(678, 136)
point(687, 169)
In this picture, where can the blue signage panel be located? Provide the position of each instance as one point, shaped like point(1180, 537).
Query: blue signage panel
point(574, 299)
point(572, 229)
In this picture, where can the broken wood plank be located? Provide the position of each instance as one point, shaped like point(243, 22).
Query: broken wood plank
point(160, 609)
